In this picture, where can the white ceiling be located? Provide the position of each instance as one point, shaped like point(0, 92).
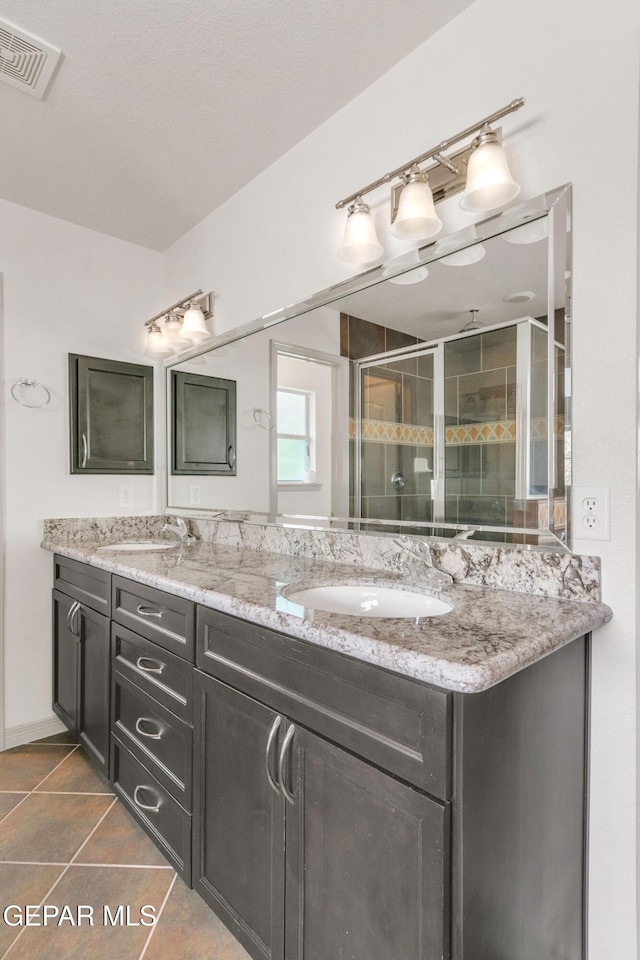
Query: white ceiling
point(162, 109)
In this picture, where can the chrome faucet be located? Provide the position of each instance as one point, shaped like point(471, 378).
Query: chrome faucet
point(417, 564)
point(178, 529)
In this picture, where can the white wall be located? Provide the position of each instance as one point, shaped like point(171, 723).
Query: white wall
point(65, 290)
point(577, 68)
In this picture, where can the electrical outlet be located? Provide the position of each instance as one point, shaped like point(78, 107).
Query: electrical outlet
point(125, 496)
point(194, 495)
point(591, 513)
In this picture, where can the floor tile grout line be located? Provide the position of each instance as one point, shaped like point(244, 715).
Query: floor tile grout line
point(18, 804)
point(71, 752)
point(86, 840)
point(162, 906)
point(72, 793)
point(78, 863)
point(43, 901)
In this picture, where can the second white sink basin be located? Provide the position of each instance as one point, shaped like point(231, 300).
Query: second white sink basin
point(138, 545)
point(369, 600)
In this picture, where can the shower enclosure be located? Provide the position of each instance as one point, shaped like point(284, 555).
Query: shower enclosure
point(455, 432)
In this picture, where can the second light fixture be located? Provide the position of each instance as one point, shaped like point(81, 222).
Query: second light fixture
point(487, 184)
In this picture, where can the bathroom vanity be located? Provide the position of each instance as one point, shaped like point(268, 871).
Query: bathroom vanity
point(332, 785)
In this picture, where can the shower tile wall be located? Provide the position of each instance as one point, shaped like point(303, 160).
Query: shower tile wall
point(397, 429)
point(480, 411)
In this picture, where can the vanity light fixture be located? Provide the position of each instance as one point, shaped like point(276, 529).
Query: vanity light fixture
point(183, 325)
point(409, 262)
point(480, 169)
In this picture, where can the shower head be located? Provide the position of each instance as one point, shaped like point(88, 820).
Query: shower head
point(473, 324)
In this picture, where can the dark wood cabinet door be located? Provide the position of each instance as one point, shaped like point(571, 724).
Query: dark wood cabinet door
point(367, 861)
point(111, 408)
point(203, 411)
point(238, 829)
point(93, 707)
point(66, 661)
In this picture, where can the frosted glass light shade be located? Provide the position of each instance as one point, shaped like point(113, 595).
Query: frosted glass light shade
point(489, 181)
point(530, 232)
point(194, 327)
point(360, 243)
point(416, 218)
point(411, 259)
point(156, 345)
point(172, 330)
point(459, 250)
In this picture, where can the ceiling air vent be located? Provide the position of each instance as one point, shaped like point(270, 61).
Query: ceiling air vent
point(26, 62)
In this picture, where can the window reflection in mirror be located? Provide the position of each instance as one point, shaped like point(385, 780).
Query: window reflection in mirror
point(382, 410)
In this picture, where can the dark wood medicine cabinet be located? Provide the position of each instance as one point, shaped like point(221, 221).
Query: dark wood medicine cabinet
point(111, 416)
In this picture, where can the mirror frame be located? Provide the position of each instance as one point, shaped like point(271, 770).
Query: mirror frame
point(556, 206)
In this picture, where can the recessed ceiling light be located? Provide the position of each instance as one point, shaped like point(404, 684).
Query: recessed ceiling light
point(522, 296)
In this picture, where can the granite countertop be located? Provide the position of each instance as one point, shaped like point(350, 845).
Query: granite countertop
point(489, 635)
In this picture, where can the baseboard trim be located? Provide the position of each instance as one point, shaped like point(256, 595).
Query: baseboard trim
point(35, 730)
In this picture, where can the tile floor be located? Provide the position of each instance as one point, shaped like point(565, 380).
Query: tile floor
point(66, 840)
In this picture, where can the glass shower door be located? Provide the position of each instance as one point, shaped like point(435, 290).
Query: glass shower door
point(395, 439)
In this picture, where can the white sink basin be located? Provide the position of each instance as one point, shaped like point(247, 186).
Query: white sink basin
point(138, 545)
point(368, 600)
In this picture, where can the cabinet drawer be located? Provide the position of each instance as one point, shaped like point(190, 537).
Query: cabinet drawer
point(158, 616)
point(158, 739)
point(163, 819)
point(165, 676)
point(87, 584)
point(399, 724)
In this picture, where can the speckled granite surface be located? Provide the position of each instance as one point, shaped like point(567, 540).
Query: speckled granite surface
point(489, 635)
point(545, 573)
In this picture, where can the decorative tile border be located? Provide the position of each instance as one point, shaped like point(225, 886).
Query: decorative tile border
point(500, 431)
point(385, 432)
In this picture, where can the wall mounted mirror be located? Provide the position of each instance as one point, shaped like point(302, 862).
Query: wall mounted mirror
point(427, 396)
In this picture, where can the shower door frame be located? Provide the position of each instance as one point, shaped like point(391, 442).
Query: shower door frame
point(523, 428)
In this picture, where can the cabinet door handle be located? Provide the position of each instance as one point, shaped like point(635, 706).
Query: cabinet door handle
point(282, 772)
point(140, 664)
point(144, 806)
point(70, 613)
point(145, 733)
point(85, 450)
point(75, 628)
point(267, 756)
point(231, 457)
point(148, 612)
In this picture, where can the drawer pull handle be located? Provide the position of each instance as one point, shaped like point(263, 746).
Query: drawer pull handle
point(267, 756)
point(140, 664)
point(148, 612)
point(282, 771)
point(144, 806)
point(145, 733)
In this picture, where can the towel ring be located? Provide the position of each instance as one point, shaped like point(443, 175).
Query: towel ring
point(25, 382)
point(258, 414)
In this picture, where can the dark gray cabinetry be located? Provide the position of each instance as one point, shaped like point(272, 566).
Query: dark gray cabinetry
point(111, 416)
point(239, 819)
point(203, 412)
point(81, 654)
point(151, 714)
point(418, 822)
